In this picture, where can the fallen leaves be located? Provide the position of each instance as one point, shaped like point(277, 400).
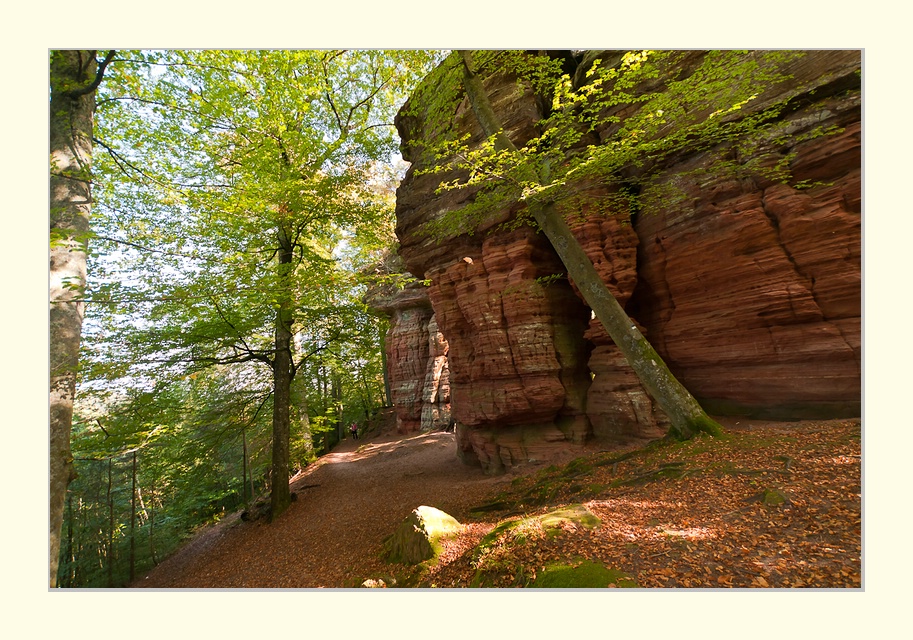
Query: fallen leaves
point(672, 516)
point(723, 523)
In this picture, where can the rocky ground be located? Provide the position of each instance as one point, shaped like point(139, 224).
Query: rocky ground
point(771, 505)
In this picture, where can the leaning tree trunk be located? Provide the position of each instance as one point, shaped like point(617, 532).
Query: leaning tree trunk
point(72, 109)
point(686, 415)
point(280, 496)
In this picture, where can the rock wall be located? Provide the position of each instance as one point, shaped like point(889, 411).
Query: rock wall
point(750, 288)
point(417, 365)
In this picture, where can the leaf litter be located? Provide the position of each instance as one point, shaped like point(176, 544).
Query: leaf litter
point(773, 505)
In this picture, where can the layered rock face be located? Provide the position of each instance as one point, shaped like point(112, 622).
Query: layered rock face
point(748, 286)
point(417, 366)
point(751, 288)
point(517, 359)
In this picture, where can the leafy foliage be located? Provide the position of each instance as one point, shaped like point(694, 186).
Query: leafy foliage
point(613, 119)
point(240, 196)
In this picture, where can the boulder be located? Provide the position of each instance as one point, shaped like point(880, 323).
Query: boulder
point(418, 538)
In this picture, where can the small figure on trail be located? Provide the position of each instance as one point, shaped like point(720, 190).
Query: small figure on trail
point(353, 429)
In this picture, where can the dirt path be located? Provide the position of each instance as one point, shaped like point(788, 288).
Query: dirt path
point(348, 502)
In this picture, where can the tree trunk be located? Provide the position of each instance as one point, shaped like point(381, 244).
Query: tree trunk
point(336, 391)
point(152, 523)
point(69, 554)
point(70, 201)
point(686, 415)
point(110, 554)
point(133, 523)
point(280, 497)
point(244, 467)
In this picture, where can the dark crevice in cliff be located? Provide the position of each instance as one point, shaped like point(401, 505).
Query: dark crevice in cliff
point(641, 306)
point(802, 276)
point(808, 279)
point(841, 86)
point(513, 348)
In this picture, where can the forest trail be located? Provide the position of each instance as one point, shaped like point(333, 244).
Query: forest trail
point(770, 505)
point(331, 536)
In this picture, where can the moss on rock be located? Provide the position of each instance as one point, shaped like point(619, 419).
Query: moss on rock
point(581, 575)
point(575, 514)
point(418, 538)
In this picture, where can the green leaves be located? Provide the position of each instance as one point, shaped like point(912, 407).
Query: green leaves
point(237, 191)
point(618, 113)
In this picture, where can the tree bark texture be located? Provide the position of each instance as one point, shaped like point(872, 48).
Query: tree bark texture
point(686, 415)
point(71, 116)
point(280, 497)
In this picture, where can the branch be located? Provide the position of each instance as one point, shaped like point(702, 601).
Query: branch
point(326, 90)
point(246, 348)
point(180, 186)
point(162, 251)
point(121, 161)
point(100, 426)
point(216, 122)
point(76, 93)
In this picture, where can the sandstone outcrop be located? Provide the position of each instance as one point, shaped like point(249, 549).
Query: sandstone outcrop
point(416, 353)
point(747, 284)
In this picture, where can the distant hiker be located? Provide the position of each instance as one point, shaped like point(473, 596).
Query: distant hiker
point(353, 429)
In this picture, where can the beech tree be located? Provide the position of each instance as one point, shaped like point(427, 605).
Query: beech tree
point(644, 111)
point(244, 172)
point(74, 77)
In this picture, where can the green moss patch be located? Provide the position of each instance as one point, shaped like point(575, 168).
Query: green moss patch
point(494, 557)
point(581, 575)
point(575, 514)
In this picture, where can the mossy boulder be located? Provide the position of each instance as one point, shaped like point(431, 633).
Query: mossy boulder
point(418, 538)
point(494, 555)
point(575, 514)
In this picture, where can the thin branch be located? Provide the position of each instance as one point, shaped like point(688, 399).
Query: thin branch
point(162, 251)
point(101, 426)
point(121, 161)
point(247, 348)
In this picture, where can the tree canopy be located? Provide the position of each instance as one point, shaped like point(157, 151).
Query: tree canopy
point(240, 196)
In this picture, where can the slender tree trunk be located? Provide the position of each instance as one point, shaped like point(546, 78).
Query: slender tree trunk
point(110, 554)
point(336, 392)
point(280, 497)
point(686, 415)
point(368, 398)
point(133, 523)
point(152, 523)
point(324, 381)
point(69, 554)
point(244, 466)
point(70, 200)
point(302, 418)
point(141, 512)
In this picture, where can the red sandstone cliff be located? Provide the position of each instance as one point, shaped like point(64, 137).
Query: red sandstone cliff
point(749, 287)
